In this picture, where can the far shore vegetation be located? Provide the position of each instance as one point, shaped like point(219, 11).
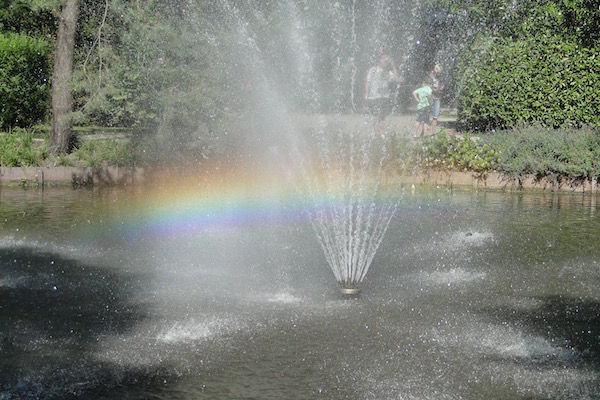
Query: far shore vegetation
point(571, 155)
point(29, 147)
point(158, 75)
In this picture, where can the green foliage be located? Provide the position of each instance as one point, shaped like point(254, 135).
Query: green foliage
point(17, 149)
point(64, 160)
point(153, 68)
point(26, 147)
point(465, 22)
point(575, 20)
point(543, 80)
point(539, 63)
point(556, 154)
point(24, 87)
point(582, 20)
point(94, 153)
point(30, 17)
point(464, 153)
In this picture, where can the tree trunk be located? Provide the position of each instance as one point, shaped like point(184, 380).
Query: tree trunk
point(62, 98)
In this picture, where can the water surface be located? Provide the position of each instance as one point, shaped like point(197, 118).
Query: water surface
point(474, 295)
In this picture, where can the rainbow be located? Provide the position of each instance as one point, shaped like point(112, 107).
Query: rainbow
point(183, 203)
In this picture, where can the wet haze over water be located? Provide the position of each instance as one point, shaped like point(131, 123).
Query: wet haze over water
point(474, 295)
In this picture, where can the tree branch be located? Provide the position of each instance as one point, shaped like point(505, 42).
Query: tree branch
point(98, 38)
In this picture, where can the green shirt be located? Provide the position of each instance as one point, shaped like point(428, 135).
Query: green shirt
point(423, 94)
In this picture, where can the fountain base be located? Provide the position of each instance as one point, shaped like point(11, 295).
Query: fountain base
point(350, 291)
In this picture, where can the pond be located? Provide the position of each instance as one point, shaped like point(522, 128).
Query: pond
point(120, 293)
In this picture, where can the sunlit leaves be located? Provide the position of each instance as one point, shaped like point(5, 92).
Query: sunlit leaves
point(548, 80)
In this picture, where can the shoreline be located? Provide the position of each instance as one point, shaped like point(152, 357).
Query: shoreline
point(74, 176)
point(492, 181)
point(88, 176)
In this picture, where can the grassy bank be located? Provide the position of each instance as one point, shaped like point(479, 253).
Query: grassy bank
point(557, 155)
point(29, 147)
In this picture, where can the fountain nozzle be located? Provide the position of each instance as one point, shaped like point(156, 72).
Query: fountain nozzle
point(350, 290)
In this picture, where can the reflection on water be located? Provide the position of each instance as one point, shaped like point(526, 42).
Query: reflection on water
point(118, 293)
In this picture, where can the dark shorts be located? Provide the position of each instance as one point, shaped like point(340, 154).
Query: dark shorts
point(380, 108)
point(423, 115)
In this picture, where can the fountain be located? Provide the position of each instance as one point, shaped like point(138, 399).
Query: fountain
point(210, 283)
point(338, 163)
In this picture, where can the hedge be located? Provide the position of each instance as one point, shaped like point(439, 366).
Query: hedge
point(546, 81)
point(24, 80)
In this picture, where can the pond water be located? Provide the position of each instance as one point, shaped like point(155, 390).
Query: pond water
point(472, 295)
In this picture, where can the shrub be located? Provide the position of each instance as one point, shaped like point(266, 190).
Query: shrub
point(457, 153)
point(468, 154)
point(544, 80)
point(24, 83)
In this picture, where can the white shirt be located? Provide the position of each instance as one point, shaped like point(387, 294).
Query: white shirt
point(378, 81)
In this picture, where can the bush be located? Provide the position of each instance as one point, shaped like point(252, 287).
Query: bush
point(458, 153)
point(543, 80)
point(24, 83)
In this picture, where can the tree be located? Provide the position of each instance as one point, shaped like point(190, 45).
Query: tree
point(62, 98)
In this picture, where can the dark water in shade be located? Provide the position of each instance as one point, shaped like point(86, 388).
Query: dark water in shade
point(472, 295)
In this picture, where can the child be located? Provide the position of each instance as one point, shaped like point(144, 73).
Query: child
point(423, 98)
point(437, 88)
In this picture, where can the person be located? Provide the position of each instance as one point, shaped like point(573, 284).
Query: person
point(437, 87)
point(379, 87)
point(423, 97)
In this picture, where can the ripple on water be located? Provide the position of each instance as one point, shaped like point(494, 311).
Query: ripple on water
point(283, 298)
point(11, 282)
point(193, 330)
point(583, 276)
point(10, 241)
point(452, 276)
point(457, 241)
point(503, 341)
point(78, 251)
point(463, 239)
point(519, 303)
point(557, 383)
